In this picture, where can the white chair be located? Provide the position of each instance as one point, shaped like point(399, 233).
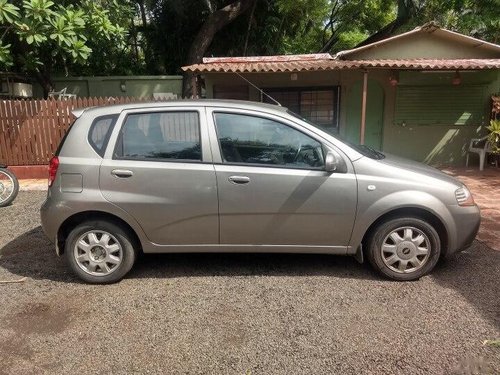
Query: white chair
point(61, 94)
point(480, 146)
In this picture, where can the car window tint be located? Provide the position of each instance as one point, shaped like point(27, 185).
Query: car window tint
point(160, 136)
point(257, 140)
point(99, 133)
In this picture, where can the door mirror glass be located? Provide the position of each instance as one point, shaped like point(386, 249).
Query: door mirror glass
point(334, 162)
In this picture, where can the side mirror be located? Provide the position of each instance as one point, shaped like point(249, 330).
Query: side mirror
point(334, 163)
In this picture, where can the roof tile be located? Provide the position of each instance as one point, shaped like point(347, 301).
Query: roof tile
point(240, 65)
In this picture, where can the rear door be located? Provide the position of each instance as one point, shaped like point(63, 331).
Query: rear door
point(159, 169)
point(273, 188)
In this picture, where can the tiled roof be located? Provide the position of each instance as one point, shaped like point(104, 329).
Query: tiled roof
point(297, 63)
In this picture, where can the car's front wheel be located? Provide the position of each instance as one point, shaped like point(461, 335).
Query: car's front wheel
point(100, 252)
point(404, 248)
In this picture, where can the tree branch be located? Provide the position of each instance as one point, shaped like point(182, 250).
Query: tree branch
point(406, 10)
point(249, 27)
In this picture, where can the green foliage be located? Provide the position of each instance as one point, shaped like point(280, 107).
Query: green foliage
point(493, 343)
point(89, 37)
point(480, 19)
point(8, 12)
point(42, 33)
point(494, 135)
point(5, 55)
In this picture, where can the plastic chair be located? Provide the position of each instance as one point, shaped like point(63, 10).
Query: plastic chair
point(479, 146)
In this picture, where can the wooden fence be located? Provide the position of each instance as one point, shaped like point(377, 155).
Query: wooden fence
point(30, 130)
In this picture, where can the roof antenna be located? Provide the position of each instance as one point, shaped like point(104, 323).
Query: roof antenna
point(258, 88)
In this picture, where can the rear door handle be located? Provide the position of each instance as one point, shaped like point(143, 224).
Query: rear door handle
point(122, 173)
point(239, 180)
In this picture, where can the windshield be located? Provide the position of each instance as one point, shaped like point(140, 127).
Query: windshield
point(362, 149)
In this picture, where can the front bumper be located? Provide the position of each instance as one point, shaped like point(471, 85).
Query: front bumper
point(467, 221)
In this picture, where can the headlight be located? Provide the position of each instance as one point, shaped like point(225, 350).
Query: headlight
point(464, 197)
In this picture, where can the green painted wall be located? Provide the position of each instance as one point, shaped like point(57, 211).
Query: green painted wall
point(441, 143)
point(135, 86)
point(424, 45)
point(433, 144)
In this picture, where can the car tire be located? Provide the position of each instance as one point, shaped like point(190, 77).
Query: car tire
point(404, 249)
point(100, 252)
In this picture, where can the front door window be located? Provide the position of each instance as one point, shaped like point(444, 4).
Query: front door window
point(260, 141)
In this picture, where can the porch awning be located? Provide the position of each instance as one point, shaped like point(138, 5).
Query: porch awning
point(323, 63)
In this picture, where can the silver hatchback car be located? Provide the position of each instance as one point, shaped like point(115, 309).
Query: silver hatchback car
point(231, 176)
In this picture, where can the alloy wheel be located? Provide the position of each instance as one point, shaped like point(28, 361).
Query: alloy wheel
point(405, 250)
point(98, 253)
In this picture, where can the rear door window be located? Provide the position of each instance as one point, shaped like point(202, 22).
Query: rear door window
point(160, 136)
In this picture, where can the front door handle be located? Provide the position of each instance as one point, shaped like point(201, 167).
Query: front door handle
point(122, 173)
point(239, 180)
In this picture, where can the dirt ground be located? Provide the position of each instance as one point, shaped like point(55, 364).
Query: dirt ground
point(240, 314)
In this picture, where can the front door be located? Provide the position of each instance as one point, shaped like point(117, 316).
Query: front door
point(160, 172)
point(273, 189)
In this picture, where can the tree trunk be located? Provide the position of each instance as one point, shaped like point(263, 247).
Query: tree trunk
point(215, 22)
point(329, 44)
point(44, 79)
point(142, 10)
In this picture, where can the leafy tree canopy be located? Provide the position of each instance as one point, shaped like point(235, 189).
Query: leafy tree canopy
point(480, 19)
point(88, 37)
point(38, 36)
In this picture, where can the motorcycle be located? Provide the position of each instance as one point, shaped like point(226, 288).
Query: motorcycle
point(9, 186)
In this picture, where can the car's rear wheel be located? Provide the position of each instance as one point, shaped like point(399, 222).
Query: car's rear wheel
point(100, 252)
point(404, 248)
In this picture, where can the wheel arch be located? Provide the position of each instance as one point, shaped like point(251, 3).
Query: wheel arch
point(81, 217)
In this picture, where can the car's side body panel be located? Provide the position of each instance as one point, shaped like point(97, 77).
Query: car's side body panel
point(285, 207)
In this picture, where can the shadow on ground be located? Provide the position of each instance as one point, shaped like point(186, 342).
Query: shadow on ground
point(473, 273)
point(32, 255)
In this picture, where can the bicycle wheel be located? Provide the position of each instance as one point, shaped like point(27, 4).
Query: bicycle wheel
point(9, 187)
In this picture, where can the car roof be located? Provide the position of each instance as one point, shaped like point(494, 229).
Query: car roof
point(240, 104)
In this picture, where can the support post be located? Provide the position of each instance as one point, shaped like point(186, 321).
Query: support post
point(363, 108)
point(194, 87)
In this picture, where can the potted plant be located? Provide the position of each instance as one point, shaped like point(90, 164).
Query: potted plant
point(494, 136)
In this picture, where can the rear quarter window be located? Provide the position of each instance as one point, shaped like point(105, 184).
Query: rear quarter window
point(100, 131)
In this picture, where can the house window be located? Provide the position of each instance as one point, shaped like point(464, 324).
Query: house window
point(318, 105)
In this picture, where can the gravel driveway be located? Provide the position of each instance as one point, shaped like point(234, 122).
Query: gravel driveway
point(240, 314)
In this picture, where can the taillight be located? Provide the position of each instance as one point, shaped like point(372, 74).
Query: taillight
point(53, 165)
